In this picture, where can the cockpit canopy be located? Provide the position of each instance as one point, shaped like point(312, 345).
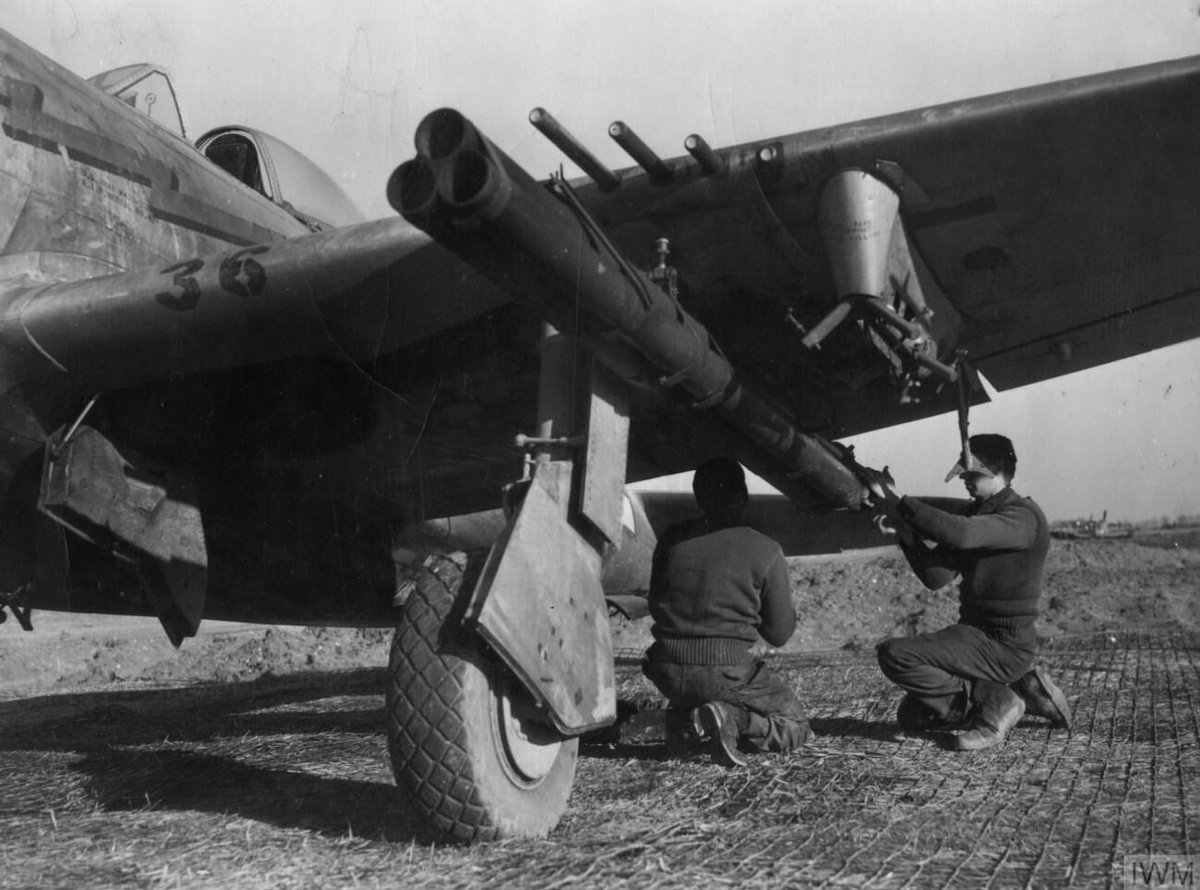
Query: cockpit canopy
point(277, 170)
point(256, 159)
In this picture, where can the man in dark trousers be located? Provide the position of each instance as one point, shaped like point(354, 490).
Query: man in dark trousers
point(977, 676)
point(715, 587)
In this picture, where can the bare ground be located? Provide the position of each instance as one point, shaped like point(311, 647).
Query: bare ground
point(256, 758)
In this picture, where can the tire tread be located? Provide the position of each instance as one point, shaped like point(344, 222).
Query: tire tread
point(426, 698)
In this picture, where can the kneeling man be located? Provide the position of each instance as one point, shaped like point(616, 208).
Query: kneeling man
point(978, 675)
point(715, 587)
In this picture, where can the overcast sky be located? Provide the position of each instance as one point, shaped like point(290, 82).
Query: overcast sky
point(347, 82)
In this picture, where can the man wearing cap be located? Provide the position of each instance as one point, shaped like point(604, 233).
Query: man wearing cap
point(716, 586)
point(978, 675)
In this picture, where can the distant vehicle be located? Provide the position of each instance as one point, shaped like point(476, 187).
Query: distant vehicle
point(1091, 528)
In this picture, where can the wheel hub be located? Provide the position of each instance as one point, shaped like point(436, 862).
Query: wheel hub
point(530, 747)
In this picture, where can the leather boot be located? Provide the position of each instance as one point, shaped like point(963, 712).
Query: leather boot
point(1043, 698)
point(720, 723)
point(992, 721)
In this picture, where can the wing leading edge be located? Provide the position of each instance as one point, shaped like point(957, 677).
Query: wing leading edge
point(1056, 221)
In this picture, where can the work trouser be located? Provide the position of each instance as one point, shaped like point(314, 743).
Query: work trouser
point(776, 719)
point(954, 664)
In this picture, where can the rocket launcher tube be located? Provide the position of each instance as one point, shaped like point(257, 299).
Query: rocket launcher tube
point(498, 219)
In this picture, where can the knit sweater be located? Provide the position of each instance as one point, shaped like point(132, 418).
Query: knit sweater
point(714, 588)
point(999, 548)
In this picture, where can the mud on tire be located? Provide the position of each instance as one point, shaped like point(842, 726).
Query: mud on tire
point(466, 745)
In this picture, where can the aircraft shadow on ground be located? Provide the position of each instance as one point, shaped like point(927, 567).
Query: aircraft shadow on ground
point(201, 712)
point(126, 780)
point(114, 734)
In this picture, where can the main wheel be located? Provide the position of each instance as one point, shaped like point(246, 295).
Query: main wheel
point(467, 744)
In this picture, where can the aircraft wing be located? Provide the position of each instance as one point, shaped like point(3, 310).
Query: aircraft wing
point(1049, 228)
point(1043, 230)
point(1057, 220)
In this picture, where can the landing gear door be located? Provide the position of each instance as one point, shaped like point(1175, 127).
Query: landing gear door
point(540, 606)
point(539, 602)
point(603, 488)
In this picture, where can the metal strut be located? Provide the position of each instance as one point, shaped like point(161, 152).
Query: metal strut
point(13, 601)
point(913, 339)
point(63, 441)
point(964, 409)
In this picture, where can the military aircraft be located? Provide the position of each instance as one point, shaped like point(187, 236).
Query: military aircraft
point(1075, 529)
point(225, 395)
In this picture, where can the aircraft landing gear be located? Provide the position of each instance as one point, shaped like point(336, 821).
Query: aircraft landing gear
point(477, 759)
point(484, 719)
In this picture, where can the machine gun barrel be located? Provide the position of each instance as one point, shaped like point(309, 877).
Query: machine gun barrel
point(624, 136)
point(490, 212)
point(710, 162)
point(549, 126)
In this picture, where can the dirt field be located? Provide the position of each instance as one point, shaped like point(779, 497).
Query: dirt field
point(256, 758)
